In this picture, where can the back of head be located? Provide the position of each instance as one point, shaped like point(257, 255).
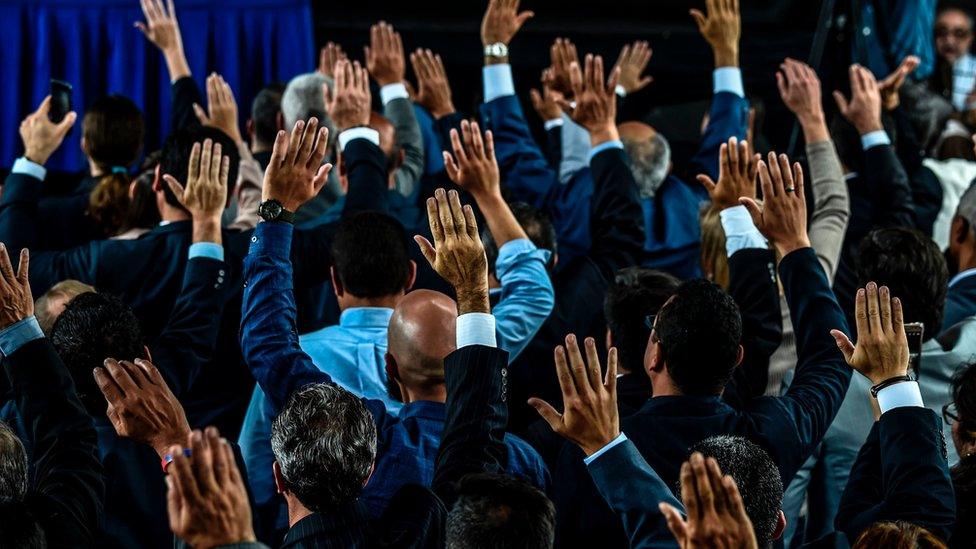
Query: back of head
point(49, 306)
point(113, 131)
point(699, 331)
point(264, 112)
point(964, 431)
point(650, 160)
point(324, 441)
point(714, 257)
point(175, 156)
point(537, 226)
point(967, 206)
point(370, 255)
point(499, 511)
point(13, 467)
point(912, 267)
point(94, 327)
point(897, 535)
point(19, 529)
point(421, 335)
point(304, 98)
point(635, 293)
point(756, 475)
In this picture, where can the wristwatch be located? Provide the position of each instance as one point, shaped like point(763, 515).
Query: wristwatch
point(498, 49)
point(272, 210)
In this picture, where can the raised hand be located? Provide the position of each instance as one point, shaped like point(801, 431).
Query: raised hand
point(863, 110)
point(721, 28)
point(717, 516)
point(889, 87)
point(349, 103)
point(799, 87)
point(782, 218)
point(882, 347)
point(40, 136)
point(328, 57)
point(590, 418)
point(457, 254)
point(15, 292)
point(163, 30)
point(223, 108)
point(595, 101)
point(295, 172)
point(736, 175)
point(206, 500)
point(546, 102)
point(632, 63)
point(562, 55)
point(473, 166)
point(205, 193)
point(384, 56)
point(502, 20)
point(141, 405)
point(434, 89)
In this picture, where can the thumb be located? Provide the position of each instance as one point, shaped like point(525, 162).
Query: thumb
point(844, 344)
point(754, 210)
point(427, 249)
point(699, 18)
point(201, 114)
point(676, 524)
point(841, 102)
point(452, 169)
point(644, 82)
point(707, 183)
point(65, 125)
point(536, 99)
point(174, 186)
point(523, 17)
point(548, 413)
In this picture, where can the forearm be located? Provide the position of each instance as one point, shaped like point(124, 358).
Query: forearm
point(831, 209)
point(500, 220)
point(408, 137)
point(616, 217)
point(176, 64)
point(814, 127)
point(527, 296)
point(207, 230)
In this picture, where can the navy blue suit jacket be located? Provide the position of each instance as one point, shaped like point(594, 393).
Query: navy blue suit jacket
point(960, 302)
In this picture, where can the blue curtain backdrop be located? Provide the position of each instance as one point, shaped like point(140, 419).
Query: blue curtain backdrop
point(93, 45)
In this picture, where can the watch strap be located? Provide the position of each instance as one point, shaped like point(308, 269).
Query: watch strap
point(889, 382)
point(498, 49)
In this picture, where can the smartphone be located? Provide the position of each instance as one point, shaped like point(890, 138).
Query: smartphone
point(60, 100)
point(914, 331)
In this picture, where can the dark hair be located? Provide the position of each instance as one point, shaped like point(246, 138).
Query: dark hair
point(94, 327)
point(264, 112)
point(143, 212)
point(176, 156)
point(912, 267)
point(496, 511)
point(699, 332)
point(756, 475)
point(897, 535)
point(537, 227)
point(964, 400)
point(324, 441)
point(370, 255)
point(635, 293)
point(20, 528)
point(13, 466)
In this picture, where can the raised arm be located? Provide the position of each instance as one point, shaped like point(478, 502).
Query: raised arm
point(162, 29)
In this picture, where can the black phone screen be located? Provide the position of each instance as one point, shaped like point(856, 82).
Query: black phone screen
point(60, 100)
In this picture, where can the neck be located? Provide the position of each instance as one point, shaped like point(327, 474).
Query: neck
point(296, 511)
point(967, 260)
point(167, 212)
point(663, 386)
point(349, 301)
point(94, 169)
point(435, 395)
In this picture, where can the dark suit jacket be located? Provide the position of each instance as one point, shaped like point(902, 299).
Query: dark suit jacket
point(960, 302)
point(67, 493)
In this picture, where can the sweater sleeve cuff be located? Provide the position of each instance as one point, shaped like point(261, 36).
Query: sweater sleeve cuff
point(393, 91)
point(728, 79)
point(28, 167)
point(620, 438)
point(476, 329)
point(498, 81)
point(361, 132)
point(900, 395)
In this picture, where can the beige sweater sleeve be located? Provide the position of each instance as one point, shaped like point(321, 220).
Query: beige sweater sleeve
point(831, 204)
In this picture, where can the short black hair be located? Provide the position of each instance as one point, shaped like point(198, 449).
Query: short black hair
point(20, 528)
point(537, 226)
point(494, 511)
point(911, 265)
point(93, 327)
point(755, 474)
point(370, 255)
point(113, 129)
point(175, 156)
point(636, 292)
point(264, 112)
point(699, 331)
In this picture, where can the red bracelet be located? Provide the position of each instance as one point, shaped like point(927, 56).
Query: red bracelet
point(168, 458)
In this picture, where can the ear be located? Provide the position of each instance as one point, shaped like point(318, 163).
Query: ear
point(157, 184)
point(84, 145)
point(390, 366)
point(249, 128)
point(148, 352)
point(412, 278)
point(279, 480)
point(740, 356)
point(336, 283)
point(372, 469)
point(132, 189)
point(652, 357)
point(959, 230)
point(780, 526)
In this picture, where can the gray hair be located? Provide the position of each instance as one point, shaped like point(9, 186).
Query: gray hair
point(967, 206)
point(304, 98)
point(649, 162)
point(13, 466)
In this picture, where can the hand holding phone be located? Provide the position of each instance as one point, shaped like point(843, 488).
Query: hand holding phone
point(60, 100)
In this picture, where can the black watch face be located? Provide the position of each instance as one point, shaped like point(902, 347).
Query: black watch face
point(270, 210)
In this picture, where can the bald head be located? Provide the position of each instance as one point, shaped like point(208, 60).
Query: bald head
point(636, 131)
point(421, 335)
point(649, 154)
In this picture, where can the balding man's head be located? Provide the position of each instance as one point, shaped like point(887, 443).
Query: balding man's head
point(421, 335)
point(649, 154)
point(636, 131)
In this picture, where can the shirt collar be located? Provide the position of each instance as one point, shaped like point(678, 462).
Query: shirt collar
point(366, 317)
point(424, 409)
point(965, 274)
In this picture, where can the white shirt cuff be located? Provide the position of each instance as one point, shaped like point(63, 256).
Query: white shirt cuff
point(498, 81)
point(390, 92)
point(362, 132)
point(620, 438)
point(28, 167)
point(729, 79)
point(476, 329)
point(554, 123)
point(875, 139)
point(900, 395)
point(740, 231)
point(621, 91)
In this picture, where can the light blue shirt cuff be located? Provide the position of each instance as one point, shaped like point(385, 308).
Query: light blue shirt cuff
point(875, 139)
point(554, 123)
point(210, 250)
point(729, 79)
point(740, 232)
point(393, 91)
point(620, 91)
point(498, 81)
point(605, 146)
point(362, 132)
point(476, 329)
point(620, 438)
point(18, 334)
point(900, 395)
point(27, 167)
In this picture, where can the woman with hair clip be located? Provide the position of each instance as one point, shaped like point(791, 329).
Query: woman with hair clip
point(961, 415)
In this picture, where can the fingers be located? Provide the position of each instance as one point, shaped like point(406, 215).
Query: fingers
point(452, 169)
point(121, 376)
point(182, 477)
point(426, 248)
point(174, 186)
point(699, 18)
point(193, 167)
point(706, 497)
point(610, 381)
point(565, 377)
point(874, 311)
point(295, 142)
point(754, 210)
point(776, 176)
point(308, 141)
point(577, 367)
point(456, 146)
point(844, 344)
point(445, 215)
point(202, 461)
point(842, 104)
point(434, 218)
point(457, 214)
point(470, 223)
point(6, 269)
point(677, 524)
point(201, 114)
point(785, 173)
point(110, 390)
point(151, 372)
point(715, 480)
point(861, 314)
point(593, 364)
point(23, 267)
point(689, 491)
point(548, 413)
point(321, 177)
point(707, 182)
point(213, 169)
point(319, 148)
point(884, 305)
point(897, 318)
point(765, 181)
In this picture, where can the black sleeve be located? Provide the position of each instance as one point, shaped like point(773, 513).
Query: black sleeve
point(68, 480)
point(616, 218)
point(443, 127)
point(889, 188)
point(365, 167)
point(554, 146)
point(927, 195)
point(19, 212)
point(185, 93)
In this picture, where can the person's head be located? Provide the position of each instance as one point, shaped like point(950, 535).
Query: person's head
point(324, 444)
point(635, 294)
point(143, 212)
point(961, 253)
point(953, 33)
point(649, 154)
point(370, 260)
point(51, 304)
point(92, 328)
point(912, 267)
point(175, 157)
point(961, 412)
point(304, 98)
point(391, 151)
point(537, 226)
point(13, 466)
point(20, 528)
point(420, 336)
point(494, 511)
point(758, 480)
point(714, 258)
point(266, 118)
point(897, 535)
point(694, 346)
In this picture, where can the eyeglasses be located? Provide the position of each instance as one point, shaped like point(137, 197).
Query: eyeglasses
point(957, 33)
point(949, 414)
